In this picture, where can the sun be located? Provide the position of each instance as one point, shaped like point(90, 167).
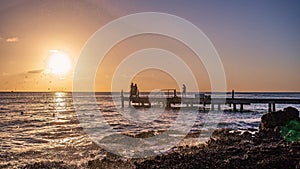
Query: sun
point(58, 63)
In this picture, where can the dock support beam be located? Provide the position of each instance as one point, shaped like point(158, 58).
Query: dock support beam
point(273, 107)
point(241, 107)
point(129, 102)
point(212, 107)
point(219, 106)
point(122, 99)
point(232, 96)
point(234, 107)
point(204, 105)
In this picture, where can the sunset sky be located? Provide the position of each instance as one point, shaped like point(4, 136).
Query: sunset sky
point(257, 41)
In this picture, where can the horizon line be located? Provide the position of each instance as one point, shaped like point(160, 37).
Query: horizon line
point(67, 91)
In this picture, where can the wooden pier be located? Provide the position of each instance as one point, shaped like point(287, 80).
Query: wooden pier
point(172, 101)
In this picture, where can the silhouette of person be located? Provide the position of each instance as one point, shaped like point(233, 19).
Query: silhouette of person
point(131, 89)
point(135, 89)
point(183, 90)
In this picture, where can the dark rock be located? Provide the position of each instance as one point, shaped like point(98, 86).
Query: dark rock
point(109, 164)
point(246, 135)
point(252, 129)
point(227, 148)
point(49, 165)
point(268, 136)
point(145, 134)
point(278, 118)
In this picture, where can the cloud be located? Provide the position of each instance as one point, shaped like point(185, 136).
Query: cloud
point(4, 74)
point(35, 71)
point(53, 51)
point(12, 39)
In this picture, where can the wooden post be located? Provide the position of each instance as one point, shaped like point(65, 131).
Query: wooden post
point(270, 109)
point(169, 105)
point(241, 107)
point(129, 101)
point(234, 107)
point(273, 107)
point(122, 99)
point(212, 106)
point(232, 96)
point(219, 106)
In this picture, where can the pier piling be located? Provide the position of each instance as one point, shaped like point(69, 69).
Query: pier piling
point(212, 107)
point(273, 107)
point(122, 99)
point(234, 107)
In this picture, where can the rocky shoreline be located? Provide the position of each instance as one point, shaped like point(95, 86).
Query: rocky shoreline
point(275, 145)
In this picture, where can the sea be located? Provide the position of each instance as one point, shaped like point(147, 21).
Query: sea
point(50, 126)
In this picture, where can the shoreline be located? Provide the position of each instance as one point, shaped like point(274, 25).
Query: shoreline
point(269, 147)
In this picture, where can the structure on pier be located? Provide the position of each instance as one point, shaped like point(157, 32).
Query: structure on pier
point(172, 100)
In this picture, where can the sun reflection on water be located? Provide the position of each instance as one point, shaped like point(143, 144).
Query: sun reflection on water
point(60, 106)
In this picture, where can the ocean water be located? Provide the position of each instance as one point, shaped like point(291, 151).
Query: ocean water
point(46, 126)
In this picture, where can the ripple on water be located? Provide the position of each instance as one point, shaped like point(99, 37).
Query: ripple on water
point(49, 128)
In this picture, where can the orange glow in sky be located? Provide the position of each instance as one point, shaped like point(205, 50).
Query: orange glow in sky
point(257, 41)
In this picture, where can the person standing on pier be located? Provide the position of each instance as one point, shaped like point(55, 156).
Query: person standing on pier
point(136, 90)
point(183, 90)
point(133, 90)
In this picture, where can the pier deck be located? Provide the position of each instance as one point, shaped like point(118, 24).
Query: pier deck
point(169, 102)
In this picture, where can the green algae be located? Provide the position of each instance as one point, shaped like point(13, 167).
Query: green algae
point(291, 131)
